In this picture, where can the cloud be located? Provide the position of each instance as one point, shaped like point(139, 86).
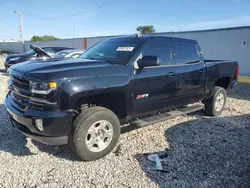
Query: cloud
point(206, 24)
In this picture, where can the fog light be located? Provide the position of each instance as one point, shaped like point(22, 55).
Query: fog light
point(39, 124)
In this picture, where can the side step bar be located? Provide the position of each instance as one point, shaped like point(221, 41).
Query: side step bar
point(161, 117)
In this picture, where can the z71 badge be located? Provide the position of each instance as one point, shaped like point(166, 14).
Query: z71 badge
point(142, 96)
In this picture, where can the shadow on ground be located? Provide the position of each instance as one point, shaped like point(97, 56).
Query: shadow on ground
point(213, 152)
point(240, 91)
point(11, 140)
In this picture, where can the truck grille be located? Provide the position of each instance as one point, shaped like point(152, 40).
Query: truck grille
point(20, 92)
point(21, 101)
point(20, 82)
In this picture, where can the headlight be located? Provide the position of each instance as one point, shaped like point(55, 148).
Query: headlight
point(14, 58)
point(42, 87)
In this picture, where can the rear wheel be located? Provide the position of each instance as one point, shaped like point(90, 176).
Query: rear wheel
point(95, 133)
point(215, 105)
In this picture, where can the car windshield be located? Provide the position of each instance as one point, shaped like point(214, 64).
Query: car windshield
point(115, 51)
point(30, 52)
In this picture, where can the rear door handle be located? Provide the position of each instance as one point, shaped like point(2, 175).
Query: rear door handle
point(170, 74)
point(200, 71)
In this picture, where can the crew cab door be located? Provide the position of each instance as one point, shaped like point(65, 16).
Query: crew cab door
point(191, 71)
point(153, 87)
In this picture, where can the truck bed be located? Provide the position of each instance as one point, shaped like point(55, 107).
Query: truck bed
point(221, 69)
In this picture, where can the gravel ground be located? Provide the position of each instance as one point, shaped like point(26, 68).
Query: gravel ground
point(196, 151)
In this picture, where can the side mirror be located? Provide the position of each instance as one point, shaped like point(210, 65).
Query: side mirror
point(147, 61)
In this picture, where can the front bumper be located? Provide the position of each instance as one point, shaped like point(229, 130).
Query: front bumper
point(56, 124)
point(59, 140)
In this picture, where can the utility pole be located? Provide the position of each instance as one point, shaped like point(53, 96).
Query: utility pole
point(73, 35)
point(74, 30)
point(21, 26)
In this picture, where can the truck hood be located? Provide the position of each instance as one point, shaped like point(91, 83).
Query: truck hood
point(57, 67)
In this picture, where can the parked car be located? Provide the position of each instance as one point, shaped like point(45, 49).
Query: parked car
point(129, 79)
point(69, 53)
point(35, 52)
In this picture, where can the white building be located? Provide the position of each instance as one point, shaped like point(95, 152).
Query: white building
point(226, 43)
point(8, 41)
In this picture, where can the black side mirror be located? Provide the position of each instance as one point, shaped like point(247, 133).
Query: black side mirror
point(148, 60)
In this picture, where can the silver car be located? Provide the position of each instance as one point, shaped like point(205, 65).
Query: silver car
point(75, 53)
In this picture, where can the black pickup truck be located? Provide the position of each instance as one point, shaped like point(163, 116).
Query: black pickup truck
point(126, 80)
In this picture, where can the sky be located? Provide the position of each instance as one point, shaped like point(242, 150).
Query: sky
point(117, 17)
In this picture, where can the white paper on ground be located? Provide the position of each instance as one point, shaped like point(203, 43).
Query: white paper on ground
point(155, 158)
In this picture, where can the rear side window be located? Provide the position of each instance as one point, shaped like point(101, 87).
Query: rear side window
point(186, 52)
point(159, 47)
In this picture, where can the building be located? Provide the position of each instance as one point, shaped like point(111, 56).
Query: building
point(8, 40)
point(225, 43)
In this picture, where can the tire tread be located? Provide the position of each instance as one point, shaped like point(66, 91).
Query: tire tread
point(85, 114)
point(209, 103)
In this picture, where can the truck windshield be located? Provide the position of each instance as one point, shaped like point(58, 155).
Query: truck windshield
point(115, 51)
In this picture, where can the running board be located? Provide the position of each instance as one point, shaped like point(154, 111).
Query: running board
point(166, 116)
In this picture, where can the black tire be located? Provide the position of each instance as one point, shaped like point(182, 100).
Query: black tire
point(210, 107)
point(80, 127)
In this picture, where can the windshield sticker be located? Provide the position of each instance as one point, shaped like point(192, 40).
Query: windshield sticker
point(126, 49)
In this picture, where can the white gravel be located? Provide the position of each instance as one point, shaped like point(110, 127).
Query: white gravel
point(198, 151)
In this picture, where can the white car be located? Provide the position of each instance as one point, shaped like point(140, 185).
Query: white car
point(69, 53)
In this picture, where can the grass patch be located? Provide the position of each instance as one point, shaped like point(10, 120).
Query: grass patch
point(244, 80)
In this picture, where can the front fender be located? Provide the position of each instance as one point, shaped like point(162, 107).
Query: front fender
point(73, 90)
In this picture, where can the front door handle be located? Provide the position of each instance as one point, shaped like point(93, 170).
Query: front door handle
point(200, 71)
point(170, 74)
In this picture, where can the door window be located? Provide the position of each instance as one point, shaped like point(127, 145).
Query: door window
point(159, 47)
point(186, 53)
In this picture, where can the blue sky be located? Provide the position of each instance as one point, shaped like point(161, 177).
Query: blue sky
point(121, 17)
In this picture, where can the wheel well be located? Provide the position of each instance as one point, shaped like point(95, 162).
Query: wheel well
point(116, 102)
point(223, 82)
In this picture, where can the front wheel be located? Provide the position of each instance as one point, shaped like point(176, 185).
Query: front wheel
point(95, 133)
point(214, 106)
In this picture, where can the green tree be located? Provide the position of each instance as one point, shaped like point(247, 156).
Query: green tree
point(147, 29)
point(44, 38)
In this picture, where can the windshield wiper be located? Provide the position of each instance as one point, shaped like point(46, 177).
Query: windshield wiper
point(92, 58)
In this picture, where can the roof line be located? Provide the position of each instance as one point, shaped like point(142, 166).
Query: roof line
point(159, 33)
point(177, 32)
point(205, 30)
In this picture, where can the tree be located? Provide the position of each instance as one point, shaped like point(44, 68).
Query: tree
point(147, 29)
point(43, 38)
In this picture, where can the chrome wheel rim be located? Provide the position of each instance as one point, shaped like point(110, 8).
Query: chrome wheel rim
point(219, 102)
point(99, 136)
